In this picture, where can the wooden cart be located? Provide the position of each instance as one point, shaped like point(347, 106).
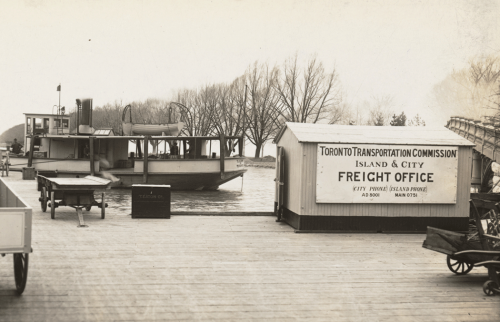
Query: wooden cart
point(77, 193)
point(15, 232)
point(463, 255)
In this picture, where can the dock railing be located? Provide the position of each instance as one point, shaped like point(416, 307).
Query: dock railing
point(485, 135)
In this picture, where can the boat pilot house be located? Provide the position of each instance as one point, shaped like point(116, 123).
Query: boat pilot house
point(372, 179)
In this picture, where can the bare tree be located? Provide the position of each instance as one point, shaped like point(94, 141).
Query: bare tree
point(263, 118)
point(307, 96)
point(108, 116)
point(380, 110)
point(340, 113)
point(471, 91)
point(356, 114)
point(196, 109)
point(416, 121)
point(229, 111)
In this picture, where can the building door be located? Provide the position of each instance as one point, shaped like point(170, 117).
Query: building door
point(280, 183)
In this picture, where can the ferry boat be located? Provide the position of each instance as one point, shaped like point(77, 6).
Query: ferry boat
point(52, 146)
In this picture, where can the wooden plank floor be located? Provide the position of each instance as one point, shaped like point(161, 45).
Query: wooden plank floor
point(229, 268)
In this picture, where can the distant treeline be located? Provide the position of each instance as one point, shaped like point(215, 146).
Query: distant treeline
point(15, 132)
point(255, 104)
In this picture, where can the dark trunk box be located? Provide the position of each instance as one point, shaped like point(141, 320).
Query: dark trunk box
point(150, 201)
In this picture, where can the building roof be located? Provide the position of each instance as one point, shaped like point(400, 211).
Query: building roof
point(403, 135)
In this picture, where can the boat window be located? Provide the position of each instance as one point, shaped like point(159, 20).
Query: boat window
point(45, 123)
point(38, 123)
point(28, 125)
point(65, 123)
point(102, 132)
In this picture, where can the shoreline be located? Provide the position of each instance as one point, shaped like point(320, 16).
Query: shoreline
point(260, 163)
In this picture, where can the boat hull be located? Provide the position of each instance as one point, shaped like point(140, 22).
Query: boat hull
point(193, 181)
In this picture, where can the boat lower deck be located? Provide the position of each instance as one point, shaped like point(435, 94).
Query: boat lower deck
point(180, 174)
point(229, 268)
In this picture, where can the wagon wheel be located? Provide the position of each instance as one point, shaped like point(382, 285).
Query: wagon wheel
point(52, 205)
point(489, 288)
point(43, 202)
point(457, 266)
point(103, 207)
point(21, 271)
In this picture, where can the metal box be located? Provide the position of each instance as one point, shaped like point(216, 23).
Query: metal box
point(150, 201)
point(29, 173)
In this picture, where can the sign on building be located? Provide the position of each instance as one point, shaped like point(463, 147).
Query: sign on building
point(358, 173)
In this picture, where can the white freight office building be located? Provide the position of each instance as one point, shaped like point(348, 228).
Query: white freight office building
point(372, 178)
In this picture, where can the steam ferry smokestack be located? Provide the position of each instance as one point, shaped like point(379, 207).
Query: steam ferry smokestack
point(84, 115)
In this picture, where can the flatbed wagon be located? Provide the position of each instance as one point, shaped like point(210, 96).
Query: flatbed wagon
point(77, 193)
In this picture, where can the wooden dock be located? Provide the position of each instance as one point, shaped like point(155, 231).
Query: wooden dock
point(229, 268)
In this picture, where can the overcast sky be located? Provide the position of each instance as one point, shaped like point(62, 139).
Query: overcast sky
point(133, 50)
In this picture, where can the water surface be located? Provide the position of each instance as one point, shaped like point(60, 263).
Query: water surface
point(253, 192)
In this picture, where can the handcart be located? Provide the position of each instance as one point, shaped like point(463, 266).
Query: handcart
point(464, 254)
point(77, 193)
point(15, 233)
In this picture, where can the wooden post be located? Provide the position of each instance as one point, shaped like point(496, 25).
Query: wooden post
point(475, 131)
point(222, 154)
point(138, 146)
point(32, 147)
point(91, 156)
point(494, 143)
point(146, 149)
point(240, 148)
point(468, 129)
point(482, 141)
point(77, 117)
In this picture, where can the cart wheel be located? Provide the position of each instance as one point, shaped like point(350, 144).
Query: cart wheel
point(103, 207)
point(21, 271)
point(88, 208)
point(489, 288)
point(43, 203)
point(52, 205)
point(457, 266)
